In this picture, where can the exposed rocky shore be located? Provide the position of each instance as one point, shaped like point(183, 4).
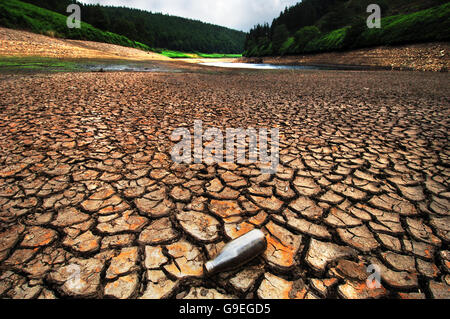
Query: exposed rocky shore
point(419, 57)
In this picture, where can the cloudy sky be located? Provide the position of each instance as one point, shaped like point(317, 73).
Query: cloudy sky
point(236, 14)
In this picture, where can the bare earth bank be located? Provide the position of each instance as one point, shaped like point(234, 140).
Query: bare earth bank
point(420, 57)
point(23, 44)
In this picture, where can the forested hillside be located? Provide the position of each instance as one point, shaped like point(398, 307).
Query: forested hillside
point(328, 25)
point(155, 29)
point(16, 14)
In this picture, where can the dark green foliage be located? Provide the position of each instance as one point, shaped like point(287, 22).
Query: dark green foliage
point(305, 35)
point(354, 32)
point(95, 16)
point(330, 25)
point(217, 56)
point(155, 29)
point(427, 25)
point(258, 36)
point(280, 34)
point(331, 41)
point(333, 19)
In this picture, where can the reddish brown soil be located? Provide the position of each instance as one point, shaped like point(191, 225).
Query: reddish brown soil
point(87, 185)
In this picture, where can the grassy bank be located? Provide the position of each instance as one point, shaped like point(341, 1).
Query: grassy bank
point(37, 64)
point(197, 55)
point(218, 56)
point(423, 26)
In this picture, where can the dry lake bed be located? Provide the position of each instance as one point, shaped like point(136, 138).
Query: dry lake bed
point(92, 205)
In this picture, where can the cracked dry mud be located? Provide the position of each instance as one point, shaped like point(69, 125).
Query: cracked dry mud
point(87, 187)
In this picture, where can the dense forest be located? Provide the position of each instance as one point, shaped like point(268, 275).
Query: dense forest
point(327, 25)
point(155, 30)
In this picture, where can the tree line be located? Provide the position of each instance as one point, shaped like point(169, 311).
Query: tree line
point(156, 30)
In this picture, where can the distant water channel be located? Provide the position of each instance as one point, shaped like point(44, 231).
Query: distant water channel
point(265, 66)
point(58, 65)
point(125, 68)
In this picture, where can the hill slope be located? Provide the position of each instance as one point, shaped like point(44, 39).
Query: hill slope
point(155, 29)
point(329, 25)
point(329, 15)
point(18, 43)
point(19, 15)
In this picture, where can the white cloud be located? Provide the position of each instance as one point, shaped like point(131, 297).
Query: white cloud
point(236, 14)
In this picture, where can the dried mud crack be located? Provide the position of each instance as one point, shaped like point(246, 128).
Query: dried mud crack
point(88, 187)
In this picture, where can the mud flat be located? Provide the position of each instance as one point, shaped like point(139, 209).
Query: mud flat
point(87, 184)
point(419, 57)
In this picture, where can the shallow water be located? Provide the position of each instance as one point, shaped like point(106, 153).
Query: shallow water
point(265, 66)
point(257, 66)
point(58, 65)
point(37, 64)
point(124, 68)
point(145, 68)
